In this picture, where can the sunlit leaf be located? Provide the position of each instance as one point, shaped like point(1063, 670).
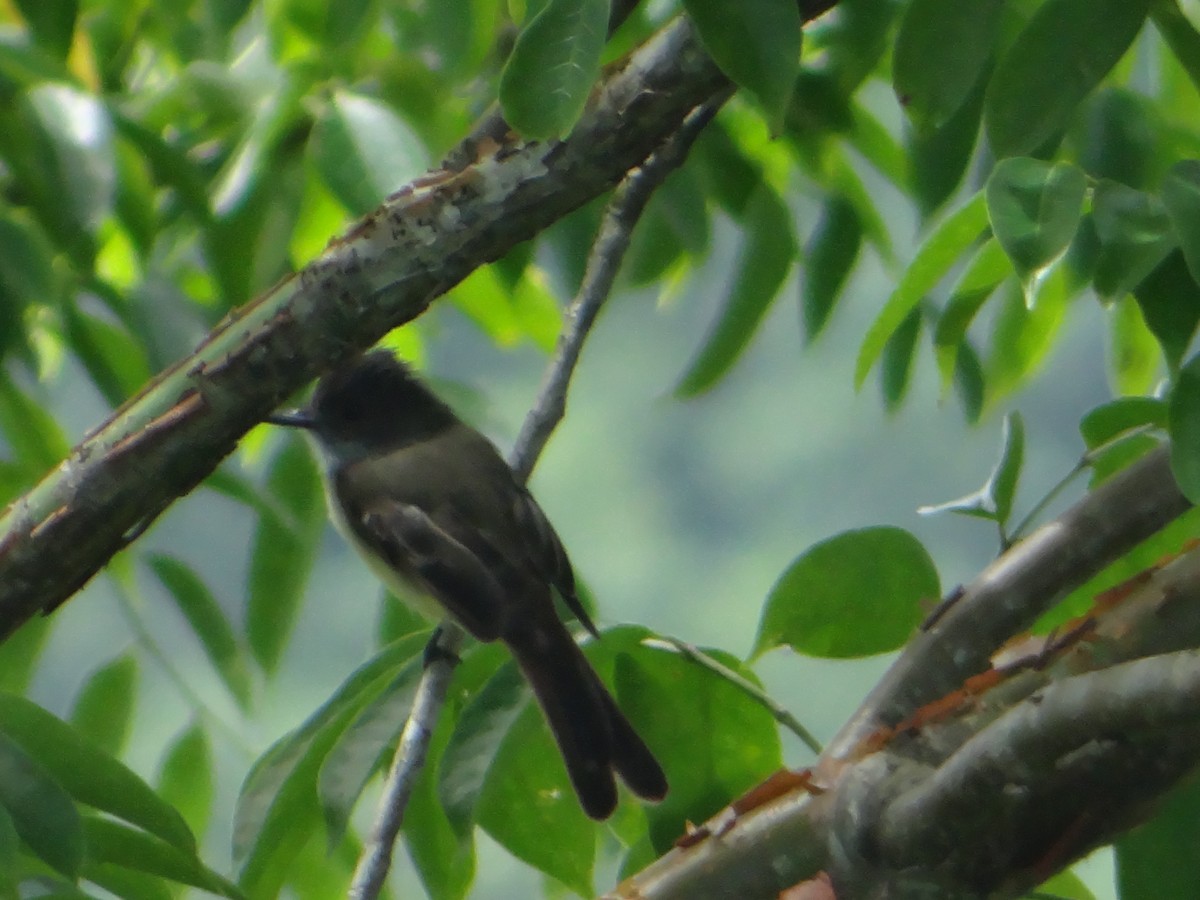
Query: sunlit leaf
point(855, 594)
point(936, 255)
point(104, 707)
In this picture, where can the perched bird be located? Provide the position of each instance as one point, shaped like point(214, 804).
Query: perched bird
point(438, 515)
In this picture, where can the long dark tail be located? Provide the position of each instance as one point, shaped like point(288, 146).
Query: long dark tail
point(592, 733)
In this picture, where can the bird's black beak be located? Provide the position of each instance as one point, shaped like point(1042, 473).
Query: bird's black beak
point(295, 418)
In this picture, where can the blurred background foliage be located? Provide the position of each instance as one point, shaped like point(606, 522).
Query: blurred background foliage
point(977, 208)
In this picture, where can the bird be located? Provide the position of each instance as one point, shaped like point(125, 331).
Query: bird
point(443, 521)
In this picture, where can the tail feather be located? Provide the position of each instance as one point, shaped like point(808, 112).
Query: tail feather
point(592, 733)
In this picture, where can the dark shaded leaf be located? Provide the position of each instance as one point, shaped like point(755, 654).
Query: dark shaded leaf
point(88, 774)
point(764, 263)
point(39, 809)
point(1056, 60)
point(757, 44)
point(1183, 415)
point(1170, 301)
point(942, 48)
point(103, 709)
point(553, 67)
point(283, 552)
point(829, 259)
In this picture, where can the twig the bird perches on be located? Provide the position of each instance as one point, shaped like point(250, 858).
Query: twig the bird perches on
point(622, 214)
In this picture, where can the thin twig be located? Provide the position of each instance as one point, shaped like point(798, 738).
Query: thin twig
point(624, 210)
point(376, 859)
point(694, 654)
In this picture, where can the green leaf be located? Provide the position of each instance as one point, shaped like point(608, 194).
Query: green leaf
point(714, 741)
point(1135, 235)
point(1134, 355)
point(552, 833)
point(757, 44)
point(1110, 420)
point(942, 48)
point(19, 653)
point(52, 24)
point(103, 710)
point(32, 433)
point(114, 359)
point(124, 883)
point(1118, 137)
point(209, 623)
point(41, 812)
point(994, 500)
point(364, 151)
point(112, 842)
point(1181, 36)
point(940, 156)
point(986, 271)
point(277, 807)
point(1181, 196)
point(1022, 336)
point(855, 594)
point(88, 774)
point(898, 359)
point(283, 553)
point(472, 748)
point(763, 265)
point(1170, 301)
point(10, 849)
point(935, 257)
point(363, 748)
point(832, 251)
point(1152, 861)
point(1183, 415)
point(553, 67)
point(1034, 208)
point(1063, 52)
point(1067, 886)
point(969, 381)
point(186, 779)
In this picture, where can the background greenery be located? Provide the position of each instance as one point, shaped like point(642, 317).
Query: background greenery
point(161, 164)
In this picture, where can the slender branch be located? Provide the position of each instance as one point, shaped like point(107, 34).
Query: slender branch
point(616, 230)
point(623, 212)
point(781, 714)
point(371, 873)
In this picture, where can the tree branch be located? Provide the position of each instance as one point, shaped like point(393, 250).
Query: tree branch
point(1017, 588)
point(383, 272)
point(833, 826)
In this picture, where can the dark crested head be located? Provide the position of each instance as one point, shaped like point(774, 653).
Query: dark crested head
point(372, 403)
